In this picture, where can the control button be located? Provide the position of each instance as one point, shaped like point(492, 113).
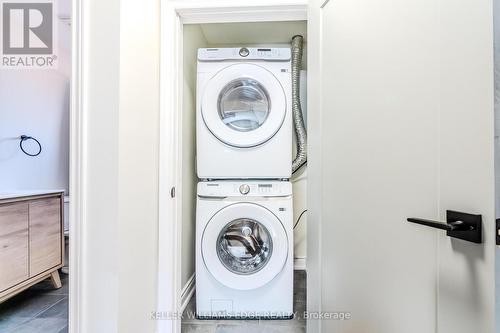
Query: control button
point(244, 52)
point(244, 189)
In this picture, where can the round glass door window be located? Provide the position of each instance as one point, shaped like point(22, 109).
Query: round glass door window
point(243, 104)
point(244, 246)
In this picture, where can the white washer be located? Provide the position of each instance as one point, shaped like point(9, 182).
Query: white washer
point(244, 250)
point(244, 121)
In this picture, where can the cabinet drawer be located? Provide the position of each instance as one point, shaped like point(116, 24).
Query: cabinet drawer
point(45, 234)
point(13, 244)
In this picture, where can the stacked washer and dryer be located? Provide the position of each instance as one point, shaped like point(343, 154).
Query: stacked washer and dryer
point(244, 218)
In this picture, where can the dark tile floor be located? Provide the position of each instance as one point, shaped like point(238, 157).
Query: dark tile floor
point(295, 325)
point(40, 308)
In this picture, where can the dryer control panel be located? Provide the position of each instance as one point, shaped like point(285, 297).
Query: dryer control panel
point(245, 53)
point(252, 188)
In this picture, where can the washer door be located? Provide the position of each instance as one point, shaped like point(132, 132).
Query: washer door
point(244, 246)
point(243, 105)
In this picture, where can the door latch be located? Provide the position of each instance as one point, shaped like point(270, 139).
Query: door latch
point(497, 229)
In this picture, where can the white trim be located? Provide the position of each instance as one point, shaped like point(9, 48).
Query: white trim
point(168, 229)
point(290, 13)
point(299, 264)
point(187, 292)
point(232, 11)
point(77, 171)
point(173, 15)
point(314, 181)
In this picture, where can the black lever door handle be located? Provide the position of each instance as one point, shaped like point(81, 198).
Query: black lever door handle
point(458, 225)
point(452, 226)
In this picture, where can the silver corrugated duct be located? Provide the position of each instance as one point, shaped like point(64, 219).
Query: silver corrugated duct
point(298, 121)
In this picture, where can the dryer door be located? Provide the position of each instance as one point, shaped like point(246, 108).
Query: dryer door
point(244, 246)
point(243, 105)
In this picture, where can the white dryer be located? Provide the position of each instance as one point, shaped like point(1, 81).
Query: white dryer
point(244, 120)
point(244, 250)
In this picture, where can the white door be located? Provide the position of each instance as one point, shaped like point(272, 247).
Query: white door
point(401, 125)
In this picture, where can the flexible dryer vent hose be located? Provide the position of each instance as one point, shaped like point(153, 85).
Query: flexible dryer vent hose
point(298, 120)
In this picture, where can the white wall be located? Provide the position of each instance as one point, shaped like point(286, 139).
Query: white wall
point(496, 20)
point(36, 103)
point(496, 15)
point(138, 164)
point(193, 39)
point(100, 132)
point(119, 230)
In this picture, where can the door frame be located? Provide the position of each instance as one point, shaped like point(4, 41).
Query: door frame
point(76, 169)
point(174, 14)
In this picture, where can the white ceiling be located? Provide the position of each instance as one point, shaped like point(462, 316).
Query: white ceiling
point(253, 32)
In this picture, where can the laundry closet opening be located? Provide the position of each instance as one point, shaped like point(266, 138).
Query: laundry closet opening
point(262, 36)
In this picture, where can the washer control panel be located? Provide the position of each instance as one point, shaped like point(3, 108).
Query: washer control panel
point(253, 188)
point(245, 53)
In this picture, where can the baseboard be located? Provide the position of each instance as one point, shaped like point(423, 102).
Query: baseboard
point(187, 292)
point(299, 264)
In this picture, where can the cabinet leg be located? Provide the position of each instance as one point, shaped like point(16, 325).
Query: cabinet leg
point(56, 280)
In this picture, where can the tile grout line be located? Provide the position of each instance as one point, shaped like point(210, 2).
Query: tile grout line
point(50, 307)
point(27, 319)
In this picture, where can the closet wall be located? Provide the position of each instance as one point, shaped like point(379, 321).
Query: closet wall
point(259, 34)
point(193, 39)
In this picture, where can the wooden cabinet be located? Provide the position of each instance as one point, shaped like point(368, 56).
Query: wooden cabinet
point(44, 234)
point(31, 241)
point(13, 244)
